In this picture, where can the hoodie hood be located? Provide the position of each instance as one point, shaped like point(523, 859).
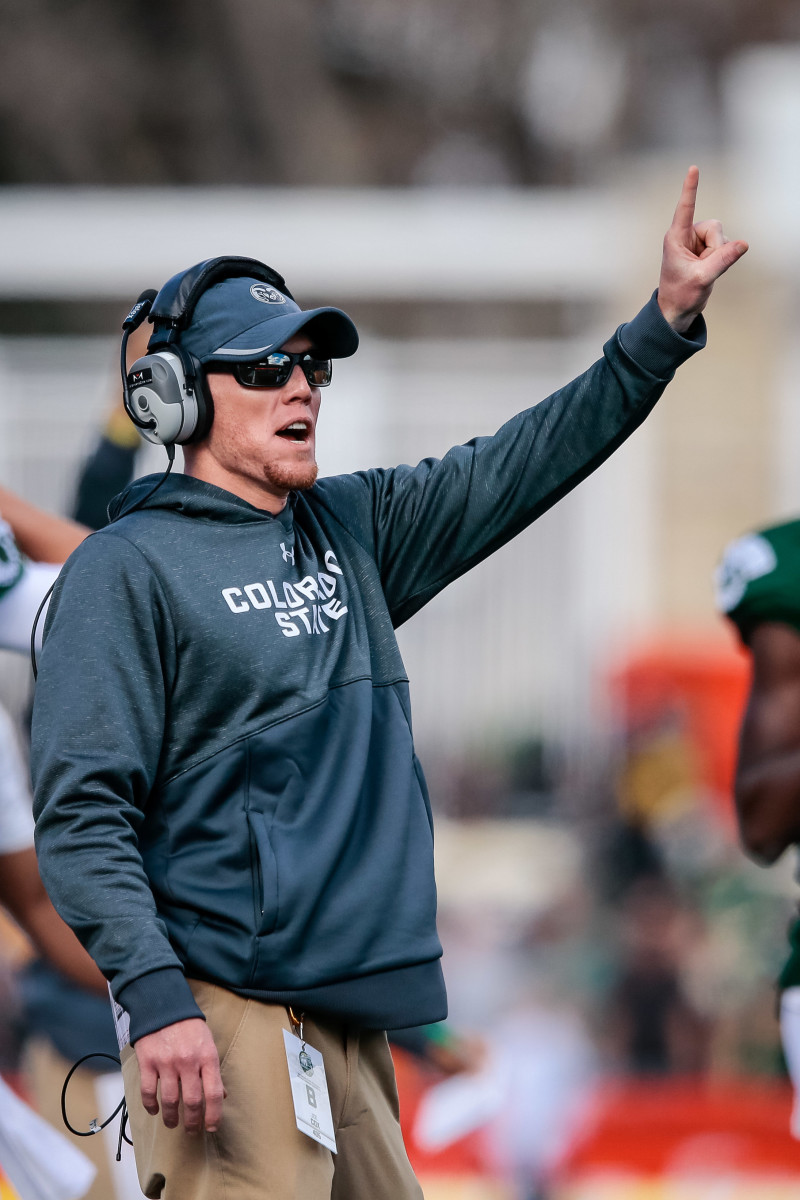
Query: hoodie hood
point(185, 495)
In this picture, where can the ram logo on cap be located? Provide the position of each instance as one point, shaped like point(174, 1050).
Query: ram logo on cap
point(267, 295)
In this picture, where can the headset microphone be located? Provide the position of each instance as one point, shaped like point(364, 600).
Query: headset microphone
point(140, 310)
point(133, 320)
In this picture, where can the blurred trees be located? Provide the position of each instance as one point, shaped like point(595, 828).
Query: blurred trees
point(360, 92)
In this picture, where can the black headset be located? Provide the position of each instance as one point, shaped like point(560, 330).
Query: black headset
point(165, 391)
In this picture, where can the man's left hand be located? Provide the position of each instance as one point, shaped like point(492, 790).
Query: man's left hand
point(695, 255)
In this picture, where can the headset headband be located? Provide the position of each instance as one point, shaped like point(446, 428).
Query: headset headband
point(174, 305)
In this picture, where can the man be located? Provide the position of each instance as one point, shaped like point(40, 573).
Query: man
point(230, 812)
point(758, 588)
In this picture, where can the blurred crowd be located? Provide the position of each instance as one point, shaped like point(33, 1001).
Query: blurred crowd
point(648, 959)
point(659, 932)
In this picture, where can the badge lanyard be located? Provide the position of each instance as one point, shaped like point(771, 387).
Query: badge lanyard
point(312, 1105)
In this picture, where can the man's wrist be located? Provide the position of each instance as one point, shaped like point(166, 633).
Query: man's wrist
point(679, 321)
point(162, 997)
point(654, 345)
point(681, 324)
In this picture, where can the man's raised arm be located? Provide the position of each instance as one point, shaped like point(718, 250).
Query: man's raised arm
point(428, 525)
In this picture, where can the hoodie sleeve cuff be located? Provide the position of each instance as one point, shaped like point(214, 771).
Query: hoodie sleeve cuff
point(156, 1000)
point(652, 343)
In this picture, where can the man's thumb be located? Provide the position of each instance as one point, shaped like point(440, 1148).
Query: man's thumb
point(727, 255)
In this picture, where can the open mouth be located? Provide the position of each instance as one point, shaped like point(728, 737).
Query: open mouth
point(298, 431)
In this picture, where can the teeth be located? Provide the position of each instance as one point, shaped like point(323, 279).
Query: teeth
point(297, 431)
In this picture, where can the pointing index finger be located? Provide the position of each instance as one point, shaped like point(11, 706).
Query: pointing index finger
point(684, 213)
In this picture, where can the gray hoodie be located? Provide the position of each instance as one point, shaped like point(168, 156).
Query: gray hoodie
point(224, 768)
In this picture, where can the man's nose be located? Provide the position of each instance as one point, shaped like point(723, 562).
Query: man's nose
point(297, 386)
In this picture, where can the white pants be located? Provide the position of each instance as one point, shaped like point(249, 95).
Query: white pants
point(790, 1036)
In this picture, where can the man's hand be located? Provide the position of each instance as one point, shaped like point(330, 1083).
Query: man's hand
point(695, 255)
point(184, 1060)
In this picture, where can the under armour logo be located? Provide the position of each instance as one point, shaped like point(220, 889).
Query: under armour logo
point(288, 555)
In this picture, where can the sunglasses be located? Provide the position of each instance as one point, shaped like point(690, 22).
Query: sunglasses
point(275, 370)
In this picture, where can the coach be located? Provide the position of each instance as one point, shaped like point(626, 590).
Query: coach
point(230, 813)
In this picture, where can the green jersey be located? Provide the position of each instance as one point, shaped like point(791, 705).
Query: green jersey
point(759, 580)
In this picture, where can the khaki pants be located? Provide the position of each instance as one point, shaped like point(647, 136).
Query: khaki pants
point(258, 1152)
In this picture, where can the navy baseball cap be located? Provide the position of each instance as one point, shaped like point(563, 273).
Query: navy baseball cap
point(243, 319)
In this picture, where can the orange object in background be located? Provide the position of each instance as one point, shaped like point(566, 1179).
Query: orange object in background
point(692, 691)
point(646, 1134)
point(687, 1127)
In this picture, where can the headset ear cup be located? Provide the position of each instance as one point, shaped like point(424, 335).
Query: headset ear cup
point(158, 400)
point(205, 406)
point(151, 384)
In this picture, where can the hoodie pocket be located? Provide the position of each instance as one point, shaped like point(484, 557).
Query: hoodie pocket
point(267, 872)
